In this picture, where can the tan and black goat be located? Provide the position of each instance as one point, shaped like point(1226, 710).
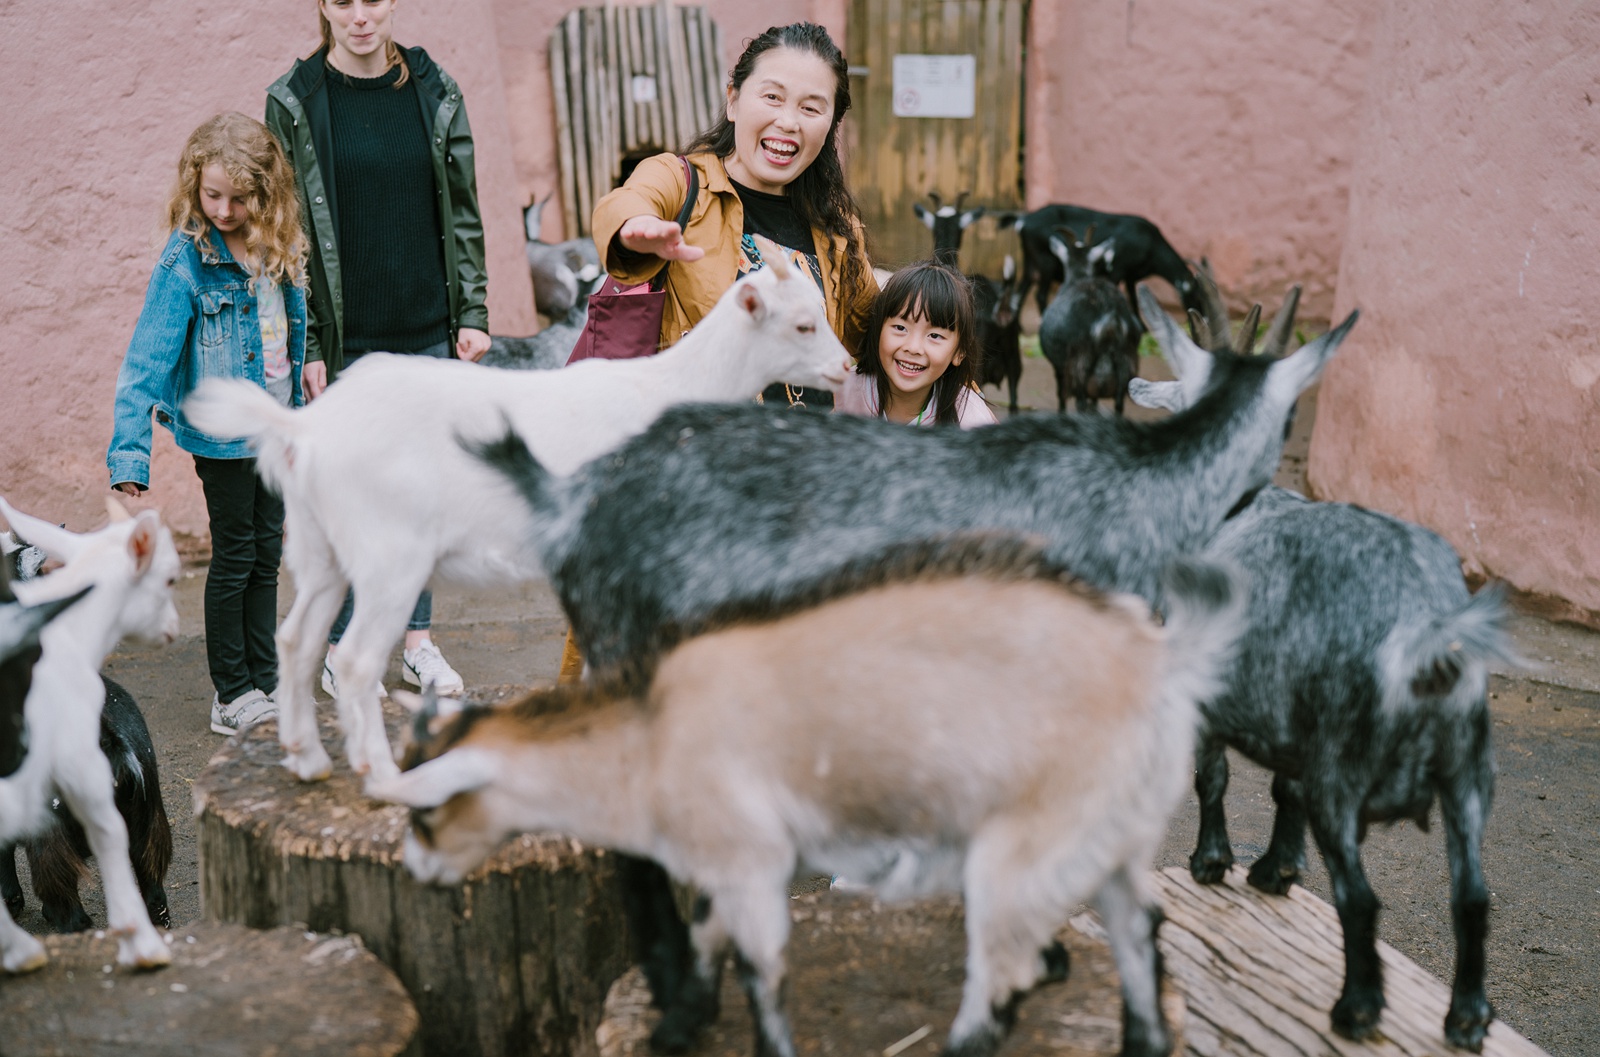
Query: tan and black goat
point(958, 716)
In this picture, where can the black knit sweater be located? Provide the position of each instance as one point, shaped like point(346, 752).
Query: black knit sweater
point(391, 252)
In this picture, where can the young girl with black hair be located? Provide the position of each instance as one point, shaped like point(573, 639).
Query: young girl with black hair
point(919, 361)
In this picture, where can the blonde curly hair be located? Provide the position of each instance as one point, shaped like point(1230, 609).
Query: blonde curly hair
point(251, 156)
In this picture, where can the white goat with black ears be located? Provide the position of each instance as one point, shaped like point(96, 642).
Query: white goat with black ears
point(131, 566)
point(981, 724)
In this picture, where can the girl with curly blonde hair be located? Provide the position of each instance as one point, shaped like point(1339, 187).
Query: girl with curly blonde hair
point(226, 299)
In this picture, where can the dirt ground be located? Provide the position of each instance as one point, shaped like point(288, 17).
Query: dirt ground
point(1542, 846)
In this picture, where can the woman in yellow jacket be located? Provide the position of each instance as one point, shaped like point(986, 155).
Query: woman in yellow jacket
point(768, 167)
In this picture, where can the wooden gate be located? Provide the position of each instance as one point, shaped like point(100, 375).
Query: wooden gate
point(895, 161)
point(628, 82)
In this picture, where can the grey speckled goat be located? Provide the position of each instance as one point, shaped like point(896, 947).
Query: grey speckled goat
point(716, 504)
point(1361, 682)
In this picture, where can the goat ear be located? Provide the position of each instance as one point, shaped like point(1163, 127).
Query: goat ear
point(970, 215)
point(142, 542)
point(1058, 249)
point(1009, 271)
point(923, 214)
point(1158, 396)
point(1188, 361)
point(52, 539)
point(1290, 376)
point(532, 221)
point(463, 770)
point(750, 299)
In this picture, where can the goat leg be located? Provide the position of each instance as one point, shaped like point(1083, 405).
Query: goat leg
point(57, 860)
point(10, 884)
point(1131, 928)
point(1280, 865)
point(1213, 854)
point(1355, 1015)
point(1465, 809)
point(150, 841)
point(756, 916)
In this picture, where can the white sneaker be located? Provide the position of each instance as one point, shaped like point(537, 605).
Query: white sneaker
point(425, 665)
point(244, 711)
point(330, 685)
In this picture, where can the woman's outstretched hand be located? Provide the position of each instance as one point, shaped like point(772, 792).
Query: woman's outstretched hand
point(664, 238)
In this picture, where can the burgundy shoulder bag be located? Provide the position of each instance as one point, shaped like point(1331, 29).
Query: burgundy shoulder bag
point(625, 321)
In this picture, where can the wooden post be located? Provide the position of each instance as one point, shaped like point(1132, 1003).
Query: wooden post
point(516, 960)
point(229, 990)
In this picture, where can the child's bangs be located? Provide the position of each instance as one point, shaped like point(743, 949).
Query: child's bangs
point(927, 294)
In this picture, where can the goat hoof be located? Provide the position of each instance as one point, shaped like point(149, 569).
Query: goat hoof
point(25, 957)
point(309, 766)
point(1356, 1019)
point(143, 951)
point(1273, 879)
point(70, 920)
point(1467, 1023)
point(1210, 869)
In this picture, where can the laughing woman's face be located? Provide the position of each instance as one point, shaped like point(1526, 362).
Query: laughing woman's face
point(781, 116)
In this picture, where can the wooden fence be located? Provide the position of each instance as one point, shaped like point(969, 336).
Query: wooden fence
point(628, 82)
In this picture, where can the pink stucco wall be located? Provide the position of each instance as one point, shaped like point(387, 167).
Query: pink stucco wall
point(1231, 125)
point(97, 106)
point(524, 28)
point(1468, 397)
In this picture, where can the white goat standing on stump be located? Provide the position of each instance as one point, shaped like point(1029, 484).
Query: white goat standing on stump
point(379, 494)
point(131, 566)
point(865, 733)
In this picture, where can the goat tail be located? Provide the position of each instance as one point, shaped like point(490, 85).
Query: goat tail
point(235, 409)
point(1205, 609)
point(1447, 658)
point(510, 456)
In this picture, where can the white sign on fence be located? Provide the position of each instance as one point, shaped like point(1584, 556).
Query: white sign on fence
point(935, 85)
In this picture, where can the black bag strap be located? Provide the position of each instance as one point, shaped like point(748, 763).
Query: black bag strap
point(692, 180)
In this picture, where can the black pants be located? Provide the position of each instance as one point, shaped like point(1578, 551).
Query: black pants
point(242, 588)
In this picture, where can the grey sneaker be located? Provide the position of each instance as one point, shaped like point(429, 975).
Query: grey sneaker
point(244, 711)
point(425, 665)
point(330, 685)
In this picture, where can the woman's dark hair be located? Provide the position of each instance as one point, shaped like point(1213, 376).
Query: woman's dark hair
point(941, 295)
point(818, 194)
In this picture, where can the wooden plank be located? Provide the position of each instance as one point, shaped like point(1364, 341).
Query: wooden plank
point(1259, 974)
point(677, 71)
point(594, 102)
point(714, 74)
point(621, 89)
point(564, 134)
point(659, 132)
point(633, 133)
point(572, 37)
point(689, 17)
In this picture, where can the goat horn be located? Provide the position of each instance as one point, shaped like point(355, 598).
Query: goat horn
point(1212, 307)
point(1276, 343)
point(962, 197)
point(933, 196)
point(1245, 340)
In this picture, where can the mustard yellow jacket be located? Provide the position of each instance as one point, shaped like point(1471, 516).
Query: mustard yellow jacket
point(657, 188)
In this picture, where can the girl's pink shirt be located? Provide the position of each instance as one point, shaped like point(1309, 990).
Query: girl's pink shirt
point(860, 397)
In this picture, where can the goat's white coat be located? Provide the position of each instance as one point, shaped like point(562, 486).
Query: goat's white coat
point(132, 565)
point(379, 493)
point(1010, 741)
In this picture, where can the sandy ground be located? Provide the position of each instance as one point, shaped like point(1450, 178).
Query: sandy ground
point(1542, 847)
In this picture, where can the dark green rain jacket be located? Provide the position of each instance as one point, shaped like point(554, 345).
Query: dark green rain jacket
point(297, 113)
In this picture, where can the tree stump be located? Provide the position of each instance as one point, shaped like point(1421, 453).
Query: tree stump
point(866, 979)
point(515, 960)
point(229, 992)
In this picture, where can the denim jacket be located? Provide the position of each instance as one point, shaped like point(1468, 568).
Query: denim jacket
point(199, 321)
